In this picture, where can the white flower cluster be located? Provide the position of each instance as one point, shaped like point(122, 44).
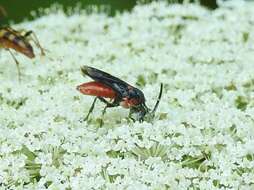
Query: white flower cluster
point(202, 137)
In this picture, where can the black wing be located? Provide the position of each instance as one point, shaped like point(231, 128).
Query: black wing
point(118, 85)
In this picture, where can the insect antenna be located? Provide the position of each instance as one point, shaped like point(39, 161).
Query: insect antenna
point(158, 99)
point(3, 12)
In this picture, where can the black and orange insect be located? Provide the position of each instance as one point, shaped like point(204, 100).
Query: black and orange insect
point(119, 92)
point(19, 41)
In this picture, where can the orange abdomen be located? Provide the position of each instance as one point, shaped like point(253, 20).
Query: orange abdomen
point(96, 89)
point(18, 46)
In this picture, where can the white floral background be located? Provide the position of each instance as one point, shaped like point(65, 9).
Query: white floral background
point(203, 135)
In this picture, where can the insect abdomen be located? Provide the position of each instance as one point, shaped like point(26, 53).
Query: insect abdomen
point(96, 89)
point(8, 39)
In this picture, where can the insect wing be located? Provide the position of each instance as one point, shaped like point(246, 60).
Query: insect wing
point(115, 83)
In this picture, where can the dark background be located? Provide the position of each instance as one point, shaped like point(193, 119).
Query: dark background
point(18, 10)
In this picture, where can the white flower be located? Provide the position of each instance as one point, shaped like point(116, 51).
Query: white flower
point(202, 135)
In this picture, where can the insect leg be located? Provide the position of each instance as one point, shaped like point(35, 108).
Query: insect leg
point(104, 111)
point(108, 105)
point(105, 101)
point(130, 115)
point(91, 109)
point(17, 64)
point(35, 40)
point(102, 115)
